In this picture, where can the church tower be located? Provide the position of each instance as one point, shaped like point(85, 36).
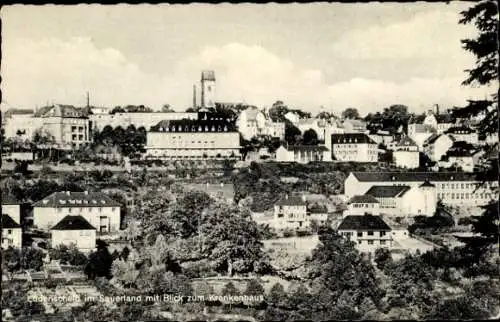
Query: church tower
point(208, 88)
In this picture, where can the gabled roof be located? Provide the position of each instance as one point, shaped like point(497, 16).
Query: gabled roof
point(363, 199)
point(8, 222)
point(65, 199)
point(387, 191)
point(427, 184)
point(415, 176)
point(291, 201)
point(363, 222)
point(406, 141)
point(73, 223)
point(351, 138)
point(61, 110)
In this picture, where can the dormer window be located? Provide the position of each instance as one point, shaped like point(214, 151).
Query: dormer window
point(173, 128)
point(199, 129)
point(213, 128)
point(62, 202)
point(180, 128)
point(206, 128)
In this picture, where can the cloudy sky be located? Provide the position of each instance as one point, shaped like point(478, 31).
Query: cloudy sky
point(366, 56)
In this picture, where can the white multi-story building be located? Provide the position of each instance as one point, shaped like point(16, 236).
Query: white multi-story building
point(405, 153)
point(368, 232)
point(98, 209)
point(11, 233)
point(453, 188)
point(353, 147)
point(463, 133)
point(146, 120)
point(21, 124)
point(437, 145)
point(291, 212)
point(404, 200)
point(252, 122)
point(193, 139)
point(300, 153)
point(74, 230)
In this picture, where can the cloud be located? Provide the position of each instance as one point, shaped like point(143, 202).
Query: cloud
point(430, 35)
point(35, 72)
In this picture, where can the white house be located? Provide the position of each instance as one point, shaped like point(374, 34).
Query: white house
point(458, 158)
point(74, 230)
point(291, 212)
point(463, 133)
point(406, 154)
point(354, 126)
point(300, 153)
point(98, 209)
point(437, 145)
point(250, 122)
point(419, 133)
point(362, 204)
point(404, 201)
point(353, 147)
point(11, 233)
point(453, 188)
point(292, 117)
point(368, 232)
point(11, 207)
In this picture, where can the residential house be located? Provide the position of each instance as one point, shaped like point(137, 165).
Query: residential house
point(453, 188)
point(382, 137)
point(458, 158)
point(368, 232)
point(292, 117)
point(74, 230)
point(98, 209)
point(11, 232)
point(12, 207)
point(405, 153)
point(463, 133)
point(437, 145)
point(353, 147)
point(362, 204)
point(404, 200)
point(252, 122)
point(354, 126)
point(440, 122)
point(419, 133)
point(193, 139)
point(291, 212)
point(300, 153)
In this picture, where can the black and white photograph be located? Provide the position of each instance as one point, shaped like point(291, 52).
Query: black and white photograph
point(323, 161)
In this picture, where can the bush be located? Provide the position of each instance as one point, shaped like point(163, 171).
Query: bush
point(68, 255)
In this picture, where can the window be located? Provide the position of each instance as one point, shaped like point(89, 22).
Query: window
point(382, 242)
point(100, 209)
point(370, 233)
point(360, 241)
point(370, 242)
point(69, 209)
point(9, 231)
point(382, 233)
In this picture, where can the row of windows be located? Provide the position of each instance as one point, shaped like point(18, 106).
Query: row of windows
point(193, 128)
point(77, 128)
point(368, 233)
point(372, 242)
point(363, 205)
point(78, 137)
point(454, 196)
point(89, 209)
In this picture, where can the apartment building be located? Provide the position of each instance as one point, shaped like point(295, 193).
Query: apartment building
point(453, 188)
point(193, 139)
point(352, 147)
point(405, 153)
point(74, 230)
point(368, 232)
point(146, 120)
point(98, 209)
point(463, 133)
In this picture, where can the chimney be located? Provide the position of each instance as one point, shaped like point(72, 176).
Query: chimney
point(194, 95)
point(437, 109)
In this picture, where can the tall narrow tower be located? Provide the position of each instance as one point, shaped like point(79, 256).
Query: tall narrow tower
point(194, 95)
point(208, 88)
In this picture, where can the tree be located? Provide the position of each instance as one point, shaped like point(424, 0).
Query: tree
point(187, 211)
point(350, 113)
point(230, 289)
point(68, 255)
point(32, 258)
point(99, 262)
point(277, 111)
point(166, 108)
point(382, 257)
point(254, 288)
point(292, 133)
point(310, 137)
point(484, 15)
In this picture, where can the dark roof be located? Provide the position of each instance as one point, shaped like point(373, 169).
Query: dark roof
point(320, 148)
point(460, 130)
point(9, 200)
point(427, 184)
point(363, 222)
point(8, 222)
point(433, 138)
point(186, 125)
point(61, 110)
point(444, 118)
point(291, 201)
point(73, 223)
point(458, 153)
point(66, 199)
point(406, 141)
point(415, 176)
point(351, 138)
point(387, 191)
point(18, 111)
point(363, 199)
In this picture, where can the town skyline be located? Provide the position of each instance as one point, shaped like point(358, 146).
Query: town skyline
point(331, 55)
